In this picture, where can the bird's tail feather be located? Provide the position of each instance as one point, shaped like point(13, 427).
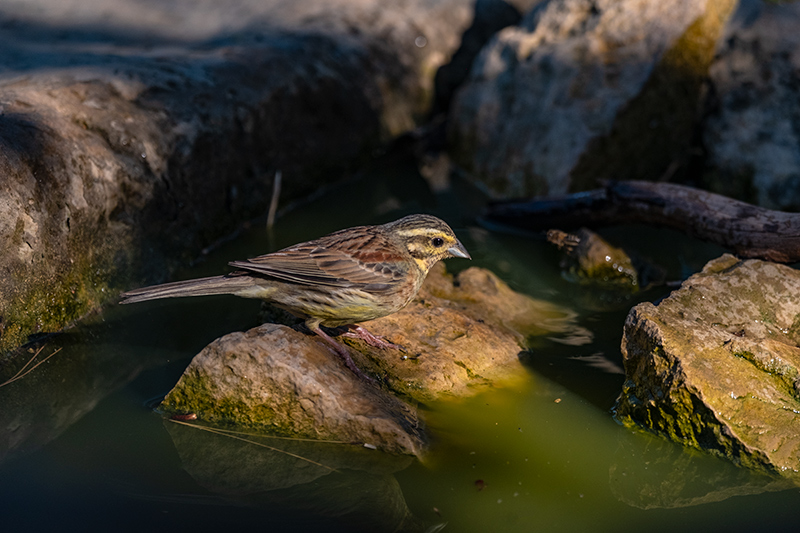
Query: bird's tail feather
point(192, 287)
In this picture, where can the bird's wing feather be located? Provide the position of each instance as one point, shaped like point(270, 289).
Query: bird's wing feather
point(344, 265)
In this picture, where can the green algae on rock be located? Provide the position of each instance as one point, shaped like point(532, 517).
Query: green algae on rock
point(273, 378)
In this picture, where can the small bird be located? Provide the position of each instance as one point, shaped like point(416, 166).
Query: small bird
point(349, 276)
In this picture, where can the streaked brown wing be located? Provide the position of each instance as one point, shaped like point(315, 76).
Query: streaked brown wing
point(337, 260)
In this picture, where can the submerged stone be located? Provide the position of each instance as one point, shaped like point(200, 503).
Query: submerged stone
point(594, 261)
point(715, 365)
point(606, 276)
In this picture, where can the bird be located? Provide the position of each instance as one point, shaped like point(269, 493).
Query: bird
point(346, 277)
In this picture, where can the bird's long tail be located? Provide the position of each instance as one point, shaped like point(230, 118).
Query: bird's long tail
point(193, 287)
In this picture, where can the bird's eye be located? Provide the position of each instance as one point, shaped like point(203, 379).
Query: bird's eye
point(437, 242)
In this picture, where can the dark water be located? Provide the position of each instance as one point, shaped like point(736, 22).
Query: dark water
point(81, 448)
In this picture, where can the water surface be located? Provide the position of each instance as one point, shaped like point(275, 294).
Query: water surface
point(81, 448)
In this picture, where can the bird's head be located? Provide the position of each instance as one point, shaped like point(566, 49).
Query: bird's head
point(428, 239)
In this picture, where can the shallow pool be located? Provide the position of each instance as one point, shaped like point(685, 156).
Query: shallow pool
point(82, 449)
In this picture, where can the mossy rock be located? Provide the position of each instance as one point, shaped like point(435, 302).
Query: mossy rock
point(715, 365)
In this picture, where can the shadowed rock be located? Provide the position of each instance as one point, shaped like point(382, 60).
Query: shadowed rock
point(751, 132)
point(585, 90)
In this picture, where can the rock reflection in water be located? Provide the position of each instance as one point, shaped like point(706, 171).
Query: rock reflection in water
point(348, 483)
point(38, 407)
point(653, 473)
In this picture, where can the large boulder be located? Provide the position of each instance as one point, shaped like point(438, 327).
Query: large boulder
point(716, 365)
point(131, 138)
point(584, 90)
point(752, 132)
point(459, 336)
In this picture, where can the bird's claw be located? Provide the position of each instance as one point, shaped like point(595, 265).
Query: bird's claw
point(358, 332)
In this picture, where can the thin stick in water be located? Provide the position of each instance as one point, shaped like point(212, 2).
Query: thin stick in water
point(22, 372)
point(226, 434)
point(273, 204)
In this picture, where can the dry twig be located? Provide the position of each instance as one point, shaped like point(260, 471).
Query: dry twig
point(232, 434)
point(23, 372)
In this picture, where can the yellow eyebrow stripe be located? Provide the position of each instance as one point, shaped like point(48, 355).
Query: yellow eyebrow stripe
point(419, 231)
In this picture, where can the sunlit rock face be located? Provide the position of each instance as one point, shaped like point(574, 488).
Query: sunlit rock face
point(752, 132)
point(716, 365)
point(586, 90)
point(459, 336)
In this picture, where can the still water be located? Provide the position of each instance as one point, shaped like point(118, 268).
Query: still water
point(82, 449)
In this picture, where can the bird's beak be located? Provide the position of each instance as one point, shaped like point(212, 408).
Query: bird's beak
point(459, 251)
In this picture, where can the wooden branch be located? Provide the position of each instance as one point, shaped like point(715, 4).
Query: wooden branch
point(749, 231)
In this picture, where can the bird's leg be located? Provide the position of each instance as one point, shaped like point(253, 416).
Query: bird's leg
point(358, 332)
point(340, 350)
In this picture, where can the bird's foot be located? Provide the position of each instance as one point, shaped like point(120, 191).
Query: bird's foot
point(342, 352)
point(352, 365)
point(357, 332)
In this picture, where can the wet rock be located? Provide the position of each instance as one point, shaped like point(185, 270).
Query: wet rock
point(715, 365)
point(595, 261)
point(459, 335)
point(606, 277)
point(752, 133)
point(586, 90)
point(131, 139)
